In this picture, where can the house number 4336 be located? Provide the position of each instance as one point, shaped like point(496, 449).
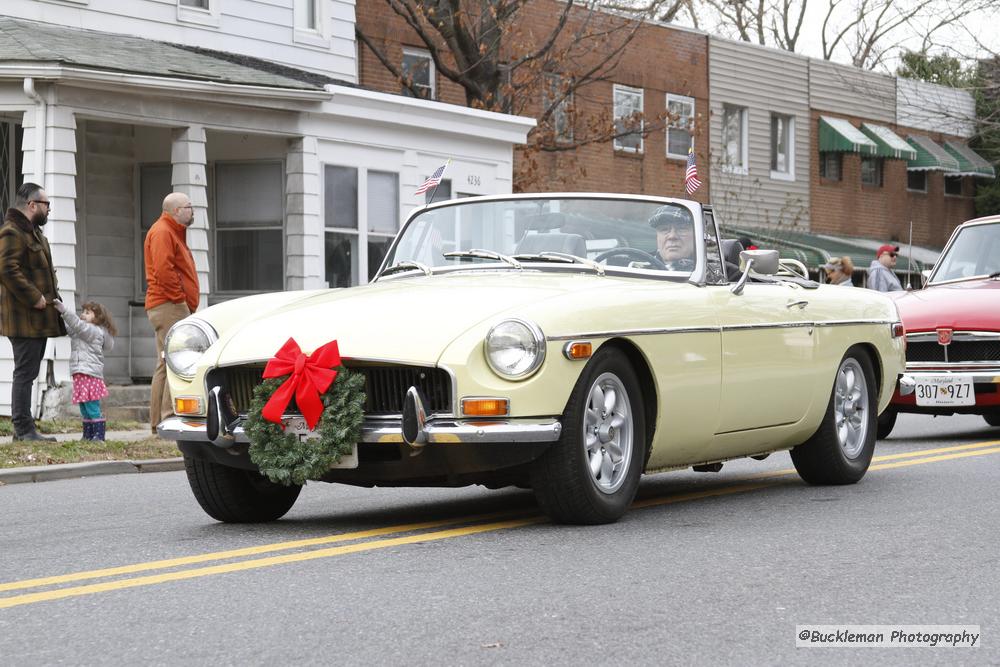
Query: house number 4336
point(473, 179)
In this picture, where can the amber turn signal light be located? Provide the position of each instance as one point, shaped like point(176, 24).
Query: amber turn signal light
point(187, 405)
point(577, 349)
point(485, 407)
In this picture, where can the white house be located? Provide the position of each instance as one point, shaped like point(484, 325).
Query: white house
point(299, 177)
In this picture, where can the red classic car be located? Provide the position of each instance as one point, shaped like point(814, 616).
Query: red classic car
point(953, 331)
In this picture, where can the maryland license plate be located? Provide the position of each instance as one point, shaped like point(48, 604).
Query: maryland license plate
point(297, 425)
point(935, 390)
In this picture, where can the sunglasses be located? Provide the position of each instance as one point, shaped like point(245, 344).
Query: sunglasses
point(891, 254)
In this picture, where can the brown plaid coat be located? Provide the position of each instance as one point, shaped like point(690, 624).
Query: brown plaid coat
point(26, 273)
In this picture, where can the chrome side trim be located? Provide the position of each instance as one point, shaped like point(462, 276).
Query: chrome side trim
point(716, 329)
point(547, 429)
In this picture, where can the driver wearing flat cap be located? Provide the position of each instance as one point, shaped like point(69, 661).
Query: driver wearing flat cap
point(674, 237)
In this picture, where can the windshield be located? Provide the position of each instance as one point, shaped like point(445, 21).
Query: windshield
point(627, 233)
point(975, 251)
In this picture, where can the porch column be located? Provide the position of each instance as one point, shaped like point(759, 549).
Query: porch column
point(304, 266)
point(58, 178)
point(187, 154)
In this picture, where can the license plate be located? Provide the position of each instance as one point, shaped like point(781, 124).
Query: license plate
point(945, 390)
point(297, 426)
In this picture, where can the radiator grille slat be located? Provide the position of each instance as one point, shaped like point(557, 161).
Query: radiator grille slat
point(385, 386)
point(958, 351)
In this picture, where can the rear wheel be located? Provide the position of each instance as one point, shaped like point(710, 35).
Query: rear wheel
point(886, 421)
point(591, 474)
point(841, 449)
point(238, 496)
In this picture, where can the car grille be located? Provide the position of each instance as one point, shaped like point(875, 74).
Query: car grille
point(959, 351)
point(385, 386)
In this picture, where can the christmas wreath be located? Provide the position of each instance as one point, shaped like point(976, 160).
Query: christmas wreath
point(331, 399)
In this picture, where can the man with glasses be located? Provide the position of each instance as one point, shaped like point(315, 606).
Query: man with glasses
point(674, 237)
point(880, 275)
point(172, 291)
point(28, 286)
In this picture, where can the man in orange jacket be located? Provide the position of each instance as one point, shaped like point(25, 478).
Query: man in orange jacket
point(172, 293)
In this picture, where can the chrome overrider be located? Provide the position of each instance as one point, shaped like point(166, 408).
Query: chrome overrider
point(224, 429)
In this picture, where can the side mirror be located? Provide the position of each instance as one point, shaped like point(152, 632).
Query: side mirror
point(764, 261)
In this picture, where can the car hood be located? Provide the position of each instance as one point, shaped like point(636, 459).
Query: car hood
point(972, 305)
point(409, 320)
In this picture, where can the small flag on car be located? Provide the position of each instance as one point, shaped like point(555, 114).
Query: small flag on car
point(691, 182)
point(434, 180)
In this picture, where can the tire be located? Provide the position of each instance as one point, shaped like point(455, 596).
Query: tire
point(886, 421)
point(992, 418)
point(841, 449)
point(563, 478)
point(232, 495)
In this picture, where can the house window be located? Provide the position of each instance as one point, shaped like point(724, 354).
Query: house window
point(916, 181)
point(559, 121)
point(782, 147)
point(11, 157)
point(830, 166)
point(680, 126)
point(628, 119)
point(871, 171)
point(734, 138)
point(249, 227)
point(307, 14)
point(199, 4)
point(418, 68)
point(953, 185)
point(442, 192)
point(345, 235)
point(154, 184)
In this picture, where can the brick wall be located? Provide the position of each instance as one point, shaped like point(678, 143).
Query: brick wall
point(846, 207)
point(659, 60)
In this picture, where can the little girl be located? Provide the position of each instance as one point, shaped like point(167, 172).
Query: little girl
point(92, 335)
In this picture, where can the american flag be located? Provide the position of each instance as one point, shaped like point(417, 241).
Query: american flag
point(691, 182)
point(434, 179)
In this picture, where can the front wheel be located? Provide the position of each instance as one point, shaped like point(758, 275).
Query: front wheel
point(841, 449)
point(591, 474)
point(233, 495)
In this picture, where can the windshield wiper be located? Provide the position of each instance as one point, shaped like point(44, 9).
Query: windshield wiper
point(552, 256)
point(406, 265)
point(995, 274)
point(483, 254)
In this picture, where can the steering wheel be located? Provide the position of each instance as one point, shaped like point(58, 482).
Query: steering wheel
point(632, 253)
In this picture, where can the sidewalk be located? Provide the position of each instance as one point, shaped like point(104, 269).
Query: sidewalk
point(55, 471)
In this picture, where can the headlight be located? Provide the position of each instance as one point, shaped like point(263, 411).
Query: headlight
point(515, 349)
point(185, 343)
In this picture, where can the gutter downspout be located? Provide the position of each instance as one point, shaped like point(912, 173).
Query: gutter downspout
point(41, 144)
point(41, 131)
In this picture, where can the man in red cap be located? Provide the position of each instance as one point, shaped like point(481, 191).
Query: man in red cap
point(880, 274)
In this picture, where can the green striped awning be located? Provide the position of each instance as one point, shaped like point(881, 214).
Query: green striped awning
point(890, 144)
point(930, 156)
point(839, 136)
point(970, 163)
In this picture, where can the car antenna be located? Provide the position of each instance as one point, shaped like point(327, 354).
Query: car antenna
point(909, 261)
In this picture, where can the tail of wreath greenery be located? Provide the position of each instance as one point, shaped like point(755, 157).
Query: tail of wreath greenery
point(285, 459)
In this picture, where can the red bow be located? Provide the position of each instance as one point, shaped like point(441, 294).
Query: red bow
point(310, 376)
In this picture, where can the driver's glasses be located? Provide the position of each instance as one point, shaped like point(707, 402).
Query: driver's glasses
point(680, 229)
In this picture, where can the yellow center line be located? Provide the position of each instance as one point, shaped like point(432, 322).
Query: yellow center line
point(250, 564)
point(248, 551)
point(889, 457)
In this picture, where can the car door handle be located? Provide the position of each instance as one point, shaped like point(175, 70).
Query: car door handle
point(800, 304)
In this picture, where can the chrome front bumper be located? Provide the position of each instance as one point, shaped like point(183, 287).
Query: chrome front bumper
point(195, 429)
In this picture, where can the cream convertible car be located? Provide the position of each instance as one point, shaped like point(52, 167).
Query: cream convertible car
point(567, 343)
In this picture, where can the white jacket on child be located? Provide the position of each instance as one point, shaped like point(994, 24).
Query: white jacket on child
point(89, 343)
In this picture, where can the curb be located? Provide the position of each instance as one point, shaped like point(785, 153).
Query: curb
point(86, 469)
